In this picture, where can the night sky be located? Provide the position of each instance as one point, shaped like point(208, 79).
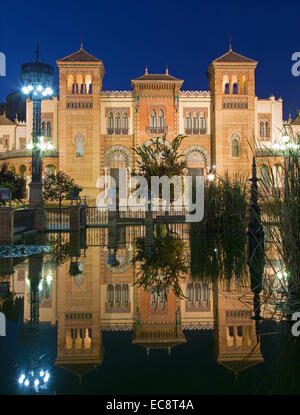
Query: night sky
point(186, 35)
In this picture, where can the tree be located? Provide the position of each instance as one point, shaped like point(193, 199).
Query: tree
point(161, 158)
point(57, 186)
point(8, 175)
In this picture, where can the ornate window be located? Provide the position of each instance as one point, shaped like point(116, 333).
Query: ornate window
point(161, 119)
point(235, 148)
point(110, 123)
point(153, 120)
point(267, 129)
point(22, 171)
point(117, 297)
point(49, 129)
point(157, 122)
point(235, 88)
point(70, 84)
point(79, 140)
point(117, 123)
point(262, 129)
point(226, 87)
point(202, 123)
point(43, 129)
point(195, 123)
point(265, 176)
point(188, 123)
point(88, 84)
point(125, 123)
point(198, 295)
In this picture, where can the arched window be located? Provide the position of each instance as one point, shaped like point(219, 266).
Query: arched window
point(161, 119)
point(43, 128)
point(265, 176)
point(278, 175)
point(50, 169)
point(88, 84)
point(118, 294)
point(188, 123)
point(242, 84)
point(153, 120)
point(125, 123)
point(79, 84)
point(49, 129)
point(235, 88)
point(110, 123)
point(226, 84)
point(79, 148)
point(70, 83)
point(235, 148)
point(118, 123)
point(154, 299)
point(162, 299)
point(262, 129)
point(110, 294)
point(202, 123)
point(23, 171)
point(267, 129)
point(195, 123)
point(125, 294)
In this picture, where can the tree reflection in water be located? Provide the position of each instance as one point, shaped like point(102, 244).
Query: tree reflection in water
point(164, 265)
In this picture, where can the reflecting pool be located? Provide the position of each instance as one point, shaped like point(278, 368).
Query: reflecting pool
point(134, 310)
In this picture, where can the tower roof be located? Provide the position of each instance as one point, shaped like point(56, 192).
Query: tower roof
point(80, 56)
point(157, 77)
point(156, 80)
point(4, 120)
point(233, 57)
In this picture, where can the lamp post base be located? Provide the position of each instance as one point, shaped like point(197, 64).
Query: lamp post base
point(36, 195)
point(36, 202)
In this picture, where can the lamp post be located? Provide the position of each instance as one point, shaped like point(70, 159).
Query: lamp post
point(37, 80)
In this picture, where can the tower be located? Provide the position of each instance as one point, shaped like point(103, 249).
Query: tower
point(156, 105)
point(232, 85)
point(80, 84)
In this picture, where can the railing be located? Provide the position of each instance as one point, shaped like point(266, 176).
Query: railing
point(195, 131)
point(26, 153)
point(96, 216)
point(156, 130)
point(139, 213)
point(119, 131)
point(58, 218)
point(23, 220)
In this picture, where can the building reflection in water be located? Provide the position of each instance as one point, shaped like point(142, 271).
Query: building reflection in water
point(93, 289)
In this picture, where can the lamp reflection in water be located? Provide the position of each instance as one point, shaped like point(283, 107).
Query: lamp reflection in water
point(34, 376)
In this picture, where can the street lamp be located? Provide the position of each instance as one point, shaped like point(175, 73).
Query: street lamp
point(37, 80)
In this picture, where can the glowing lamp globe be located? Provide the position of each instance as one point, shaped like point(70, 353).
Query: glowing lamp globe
point(37, 79)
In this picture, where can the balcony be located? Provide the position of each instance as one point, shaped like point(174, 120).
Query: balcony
point(195, 131)
point(156, 130)
point(117, 131)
